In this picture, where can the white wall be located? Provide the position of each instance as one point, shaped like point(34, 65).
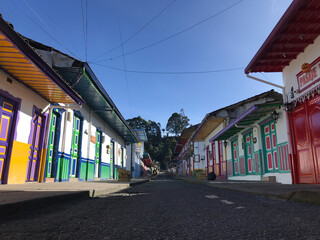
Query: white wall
point(28, 99)
point(311, 53)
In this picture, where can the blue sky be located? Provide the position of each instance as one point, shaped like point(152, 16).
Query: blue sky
point(227, 41)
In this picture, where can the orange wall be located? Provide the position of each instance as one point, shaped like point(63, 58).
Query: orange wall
point(18, 163)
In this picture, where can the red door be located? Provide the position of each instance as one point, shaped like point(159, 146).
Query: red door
point(306, 129)
point(6, 119)
point(35, 148)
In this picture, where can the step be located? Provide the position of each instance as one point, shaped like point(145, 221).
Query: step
point(71, 179)
point(269, 179)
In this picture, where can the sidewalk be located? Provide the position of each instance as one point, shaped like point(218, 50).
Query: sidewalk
point(15, 198)
point(309, 193)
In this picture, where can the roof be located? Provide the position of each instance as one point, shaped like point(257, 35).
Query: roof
point(252, 115)
point(141, 134)
point(211, 120)
point(20, 61)
point(298, 28)
point(184, 137)
point(83, 80)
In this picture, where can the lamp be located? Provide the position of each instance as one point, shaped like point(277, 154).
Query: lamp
point(275, 115)
point(225, 143)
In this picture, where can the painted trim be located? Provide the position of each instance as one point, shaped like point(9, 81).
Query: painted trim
point(247, 131)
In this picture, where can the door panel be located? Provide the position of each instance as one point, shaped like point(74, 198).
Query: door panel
point(75, 147)
point(6, 119)
point(304, 153)
point(98, 153)
point(112, 159)
point(35, 148)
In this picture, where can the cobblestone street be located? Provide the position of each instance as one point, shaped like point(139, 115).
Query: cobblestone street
point(166, 208)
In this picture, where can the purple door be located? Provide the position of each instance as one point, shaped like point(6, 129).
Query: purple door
point(35, 148)
point(6, 119)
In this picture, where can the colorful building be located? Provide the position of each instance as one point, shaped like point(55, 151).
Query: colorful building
point(293, 49)
point(29, 87)
point(254, 140)
point(87, 143)
point(135, 154)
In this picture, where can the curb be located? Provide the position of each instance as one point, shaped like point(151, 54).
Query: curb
point(18, 207)
point(140, 182)
point(306, 196)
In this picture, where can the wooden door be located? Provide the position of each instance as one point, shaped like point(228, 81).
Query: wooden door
point(235, 157)
point(249, 153)
point(98, 155)
point(53, 144)
point(314, 121)
point(35, 148)
point(75, 146)
point(270, 147)
point(6, 118)
point(303, 145)
point(112, 160)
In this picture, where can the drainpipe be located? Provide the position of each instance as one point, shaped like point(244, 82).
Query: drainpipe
point(47, 134)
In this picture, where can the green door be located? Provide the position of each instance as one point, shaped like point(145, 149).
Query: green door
point(98, 155)
point(121, 155)
point(75, 145)
point(235, 157)
point(112, 160)
point(270, 147)
point(249, 153)
point(52, 144)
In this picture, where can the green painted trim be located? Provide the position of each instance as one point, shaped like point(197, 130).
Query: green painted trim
point(288, 159)
point(245, 132)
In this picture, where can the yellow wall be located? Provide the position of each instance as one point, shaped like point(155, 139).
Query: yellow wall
point(18, 163)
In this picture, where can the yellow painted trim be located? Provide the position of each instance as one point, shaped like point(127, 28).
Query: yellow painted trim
point(18, 163)
point(42, 164)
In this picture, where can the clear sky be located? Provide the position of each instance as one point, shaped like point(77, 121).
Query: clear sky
point(229, 40)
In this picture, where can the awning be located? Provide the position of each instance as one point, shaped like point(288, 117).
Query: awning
point(249, 117)
point(298, 28)
point(83, 80)
point(22, 63)
point(210, 123)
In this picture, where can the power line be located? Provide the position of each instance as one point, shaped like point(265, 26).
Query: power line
point(170, 73)
point(125, 66)
point(175, 34)
point(86, 30)
point(38, 25)
point(83, 25)
point(139, 30)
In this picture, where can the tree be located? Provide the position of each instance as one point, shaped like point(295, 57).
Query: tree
point(177, 122)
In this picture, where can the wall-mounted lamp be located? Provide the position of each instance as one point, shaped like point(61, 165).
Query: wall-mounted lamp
point(225, 143)
point(108, 149)
point(86, 131)
point(275, 115)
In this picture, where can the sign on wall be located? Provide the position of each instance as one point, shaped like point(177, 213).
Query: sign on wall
point(307, 79)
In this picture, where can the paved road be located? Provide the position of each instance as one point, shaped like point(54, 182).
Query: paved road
point(168, 209)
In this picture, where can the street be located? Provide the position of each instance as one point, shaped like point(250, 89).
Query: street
point(166, 208)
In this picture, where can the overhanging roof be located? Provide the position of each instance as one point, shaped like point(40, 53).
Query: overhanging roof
point(210, 123)
point(83, 80)
point(298, 28)
point(141, 134)
point(250, 116)
point(22, 63)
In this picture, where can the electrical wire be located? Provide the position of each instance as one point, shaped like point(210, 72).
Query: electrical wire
point(125, 67)
point(139, 30)
point(169, 73)
point(175, 34)
point(86, 30)
point(38, 25)
point(83, 24)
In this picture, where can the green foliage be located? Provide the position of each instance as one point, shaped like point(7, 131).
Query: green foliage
point(159, 148)
point(177, 122)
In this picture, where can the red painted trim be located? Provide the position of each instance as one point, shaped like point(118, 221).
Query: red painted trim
point(293, 155)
